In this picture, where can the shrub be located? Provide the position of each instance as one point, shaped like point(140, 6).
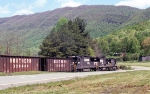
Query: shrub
point(130, 57)
point(124, 67)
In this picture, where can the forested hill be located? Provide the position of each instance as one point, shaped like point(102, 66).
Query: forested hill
point(23, 34)
point(133, 40)
point(139, 17)
point(98, 18)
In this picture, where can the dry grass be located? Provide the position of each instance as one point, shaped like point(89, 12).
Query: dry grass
point(136, 82)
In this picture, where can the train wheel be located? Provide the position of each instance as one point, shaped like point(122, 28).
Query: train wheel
point(95, 69)
point(110, 68)
point(114, 68)
point(101, 69)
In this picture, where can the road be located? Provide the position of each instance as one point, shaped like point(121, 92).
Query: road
point(12, 81)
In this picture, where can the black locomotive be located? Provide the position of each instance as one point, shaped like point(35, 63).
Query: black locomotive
point(86, 63)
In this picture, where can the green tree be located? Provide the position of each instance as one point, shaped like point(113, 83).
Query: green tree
point(125, 45)
point(134, 45)
point(103, 44)
point(60, 23)
point(146, 46)
point(115, 47)
point(66, 39)
point(130, 45)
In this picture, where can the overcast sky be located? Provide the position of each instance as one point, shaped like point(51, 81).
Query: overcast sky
point(24, 7)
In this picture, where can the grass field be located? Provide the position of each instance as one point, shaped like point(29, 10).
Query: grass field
point(134, 63)
point(135, 82)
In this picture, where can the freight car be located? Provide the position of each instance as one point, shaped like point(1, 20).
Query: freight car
point(11, 64)
point(55, 64)
point(86, 63)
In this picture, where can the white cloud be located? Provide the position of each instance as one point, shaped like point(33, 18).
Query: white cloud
point(23, 9)
point(142, 4)
point(23, 12)
point(40, 3)
point(4, 10)
point(18, 6)
point(69, 3)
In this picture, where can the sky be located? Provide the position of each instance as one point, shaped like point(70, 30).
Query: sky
point(10, 8)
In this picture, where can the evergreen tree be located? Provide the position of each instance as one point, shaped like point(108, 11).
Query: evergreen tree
point(66, 38)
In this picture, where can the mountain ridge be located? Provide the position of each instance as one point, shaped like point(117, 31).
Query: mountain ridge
point(30, 30)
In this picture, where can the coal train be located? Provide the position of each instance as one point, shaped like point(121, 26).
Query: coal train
point(10, 64)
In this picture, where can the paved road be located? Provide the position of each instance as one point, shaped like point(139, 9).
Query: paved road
point(11, 81)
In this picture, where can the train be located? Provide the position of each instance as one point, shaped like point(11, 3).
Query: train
point(10, 64)
point(87, 63)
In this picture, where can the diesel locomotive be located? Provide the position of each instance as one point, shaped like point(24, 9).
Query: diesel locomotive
point(87, 63)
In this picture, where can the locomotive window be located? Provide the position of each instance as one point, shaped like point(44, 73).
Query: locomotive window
point(112, 60)
point(73, 59)
point(86, 60)
point(101, 60)
point(94, 59)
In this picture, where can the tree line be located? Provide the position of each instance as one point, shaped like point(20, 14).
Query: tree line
point(69, 37)
point(133, 41)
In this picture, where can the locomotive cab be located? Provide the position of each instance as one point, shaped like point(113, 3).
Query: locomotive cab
point(80, 63)
point(95, 63)
point(74, 62)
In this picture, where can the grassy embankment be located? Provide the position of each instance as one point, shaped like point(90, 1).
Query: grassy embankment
point(135, 82)
point(134, 63)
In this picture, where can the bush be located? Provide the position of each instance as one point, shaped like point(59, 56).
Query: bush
point(123, 67)
point(130, 57)
point(119, 59)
